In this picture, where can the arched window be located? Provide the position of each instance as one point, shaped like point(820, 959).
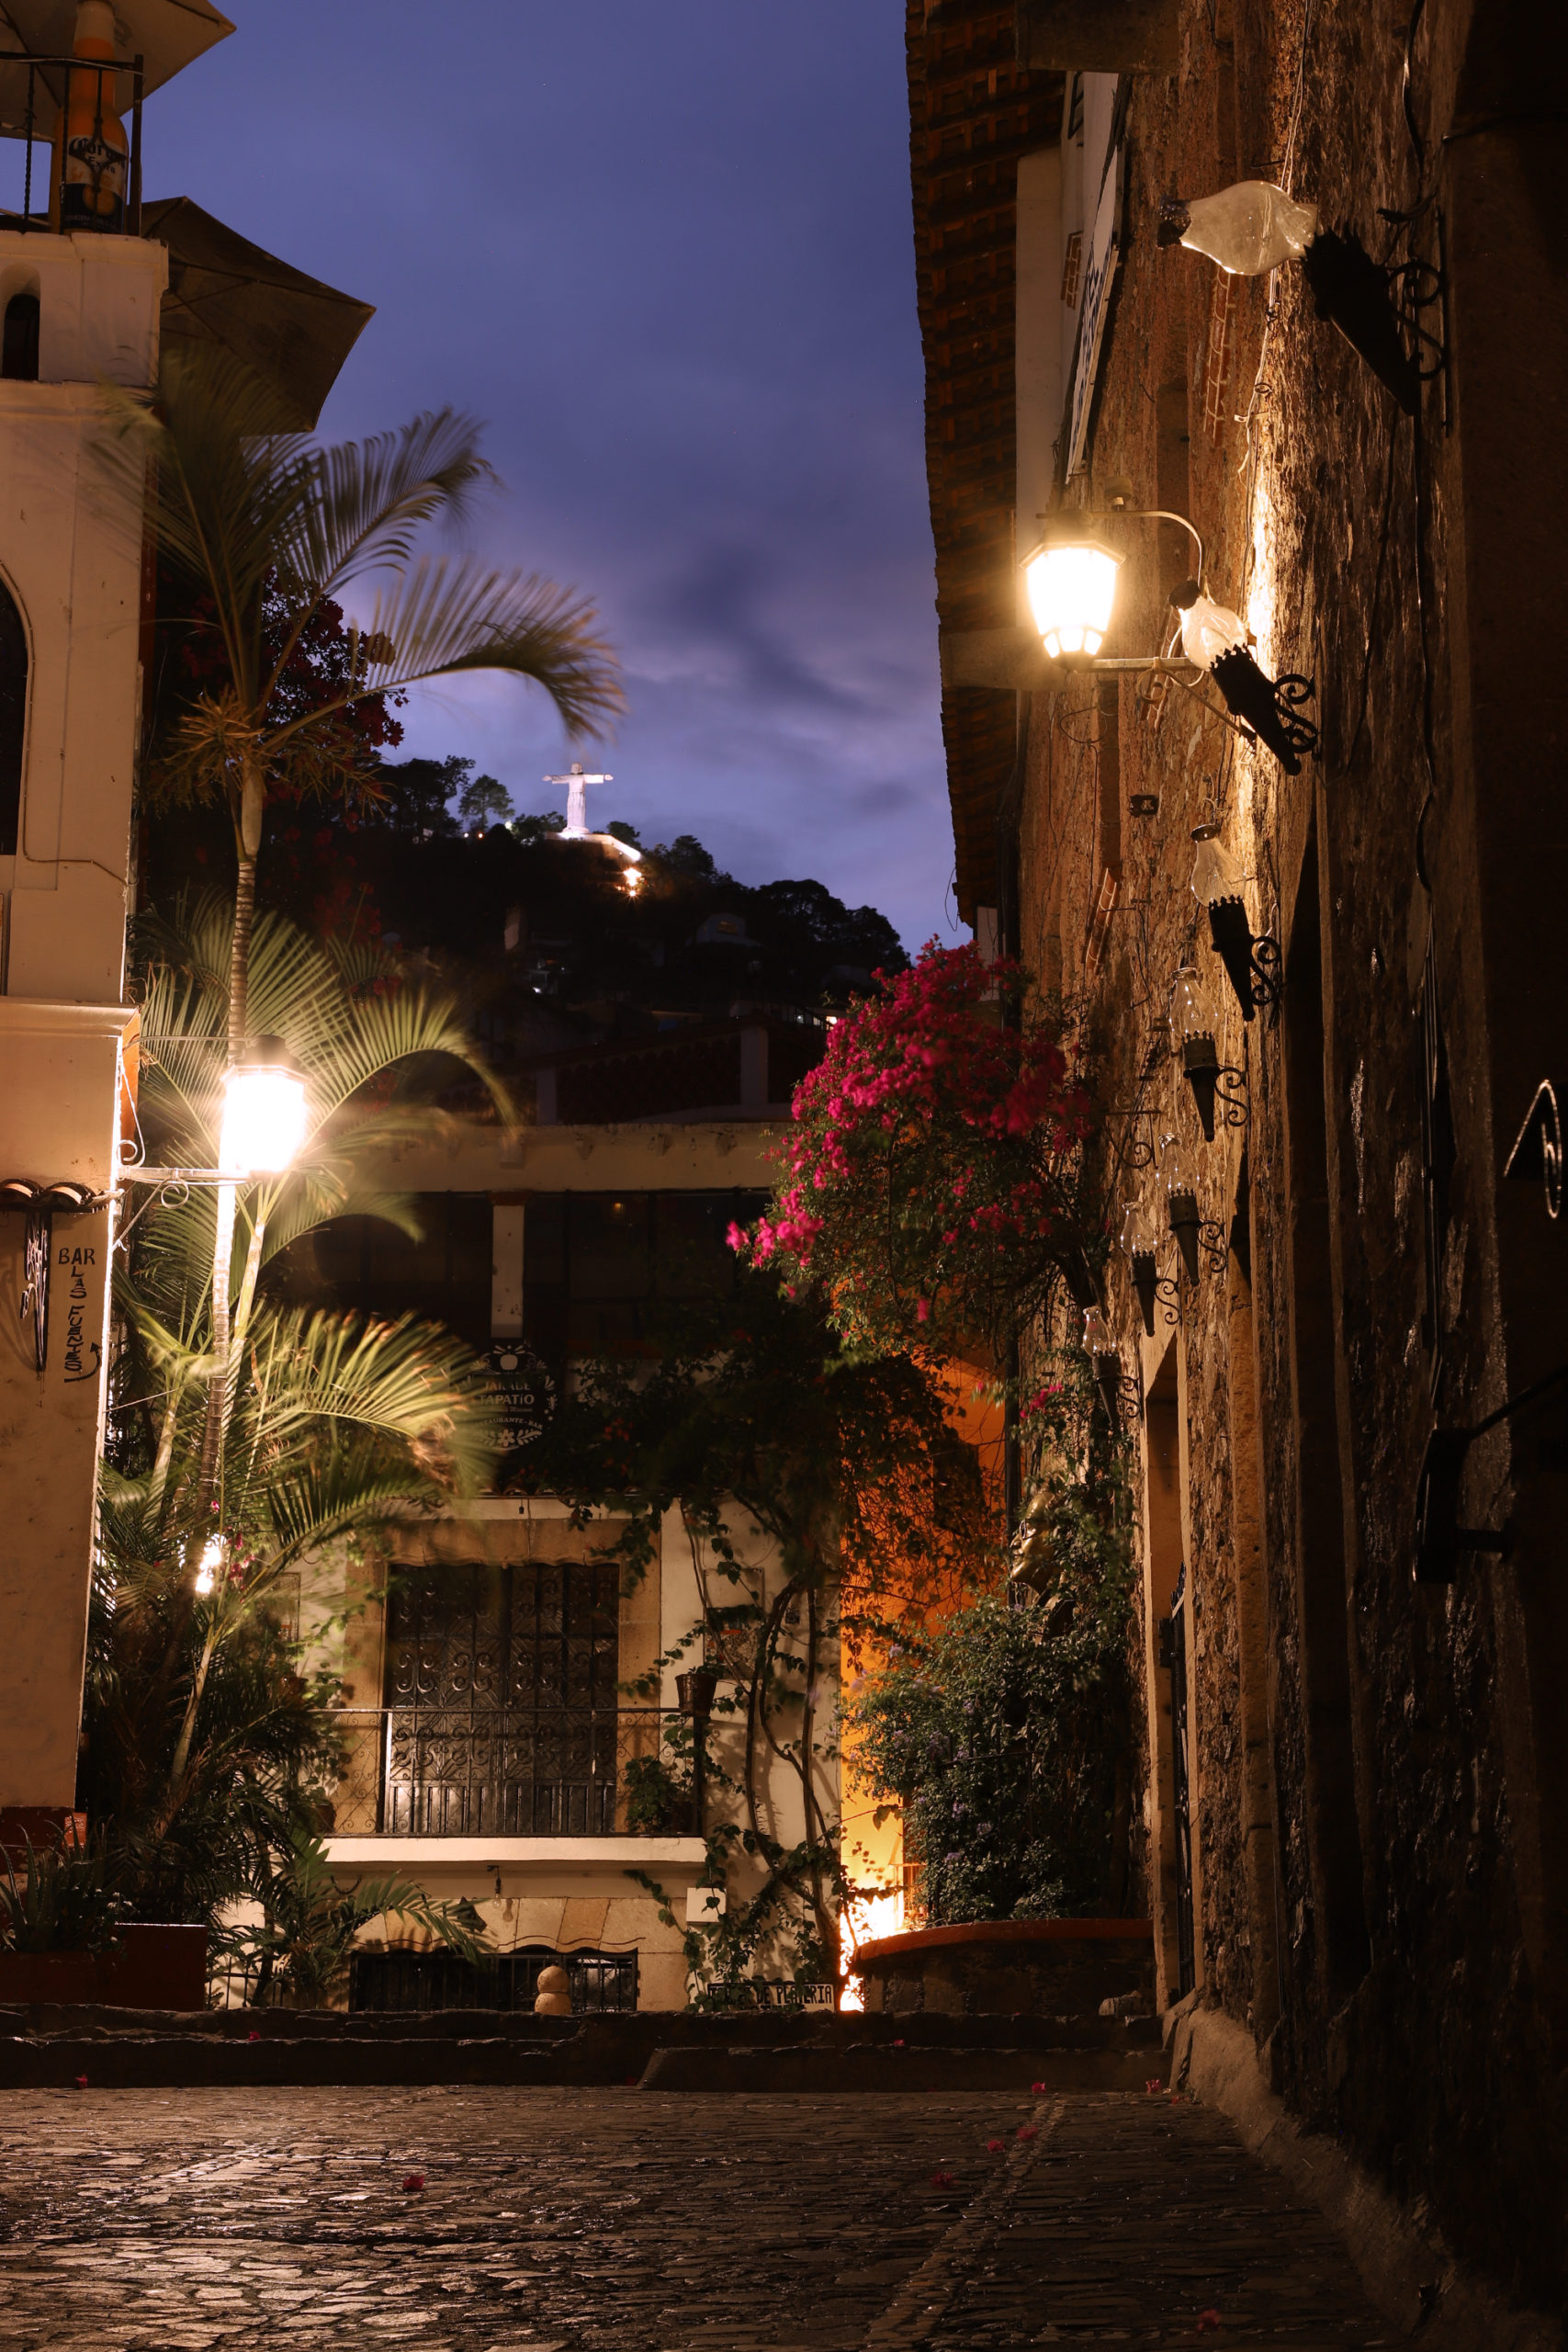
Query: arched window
point(13, 718)
point(18, 350)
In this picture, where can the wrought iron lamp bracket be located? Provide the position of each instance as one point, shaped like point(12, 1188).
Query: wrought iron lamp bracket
point(1440, 1539)
point(1537, 1154)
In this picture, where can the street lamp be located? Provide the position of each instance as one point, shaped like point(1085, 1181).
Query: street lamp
point(264, 1111)
point(1219, 884)
point(1071, 583)
point(1194, 1017)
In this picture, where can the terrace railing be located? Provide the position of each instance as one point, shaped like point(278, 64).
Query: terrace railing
point(480, 1770)
point(34, 89)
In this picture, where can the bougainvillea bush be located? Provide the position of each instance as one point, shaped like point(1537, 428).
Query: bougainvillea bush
point(933, 1186)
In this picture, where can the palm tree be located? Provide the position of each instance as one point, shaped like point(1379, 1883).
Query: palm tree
point(312, 1424)
point(266, 530)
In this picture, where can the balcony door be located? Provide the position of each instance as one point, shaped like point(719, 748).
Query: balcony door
point(500, 1700)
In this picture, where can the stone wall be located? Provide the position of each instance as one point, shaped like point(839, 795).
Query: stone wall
point(1378, 1769)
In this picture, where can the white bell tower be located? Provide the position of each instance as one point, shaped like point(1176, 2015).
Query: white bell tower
point(78, 305)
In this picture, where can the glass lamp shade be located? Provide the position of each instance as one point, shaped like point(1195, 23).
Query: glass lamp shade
point(1215, 873)
point(1096, 1340)
point(1249, 228)
point(1189, 1003)
point(1178, 1173)
point(263, 1112)
point(1137, 1236)
point(1072, 587)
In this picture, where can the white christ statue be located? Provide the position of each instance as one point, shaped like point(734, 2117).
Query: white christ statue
point(577, 784)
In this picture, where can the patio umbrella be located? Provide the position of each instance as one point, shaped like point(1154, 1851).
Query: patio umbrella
point(165, 34)
point(287, 327)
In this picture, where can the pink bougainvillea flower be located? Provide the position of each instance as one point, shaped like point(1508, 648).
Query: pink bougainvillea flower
point(412, 2180)
point(81, 2082)
point(899, 2045)
point(253, 2035)
point(1154, 2084)
point(1208, 2322)
point(1029, 2131)
point(1038, 2088)
point(995, 2147)
point(923, 1310)
point(941, 2180)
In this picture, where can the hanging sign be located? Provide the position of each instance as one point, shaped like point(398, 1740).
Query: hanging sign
point(1099, 272)
point(525, 1389)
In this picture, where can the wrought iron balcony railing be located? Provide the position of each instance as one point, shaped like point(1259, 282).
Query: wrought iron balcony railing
point(461, 1769)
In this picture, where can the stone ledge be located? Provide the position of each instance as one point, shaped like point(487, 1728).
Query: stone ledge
point(1400, 2261)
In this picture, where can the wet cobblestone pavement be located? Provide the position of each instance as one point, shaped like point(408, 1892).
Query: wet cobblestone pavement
point(575, 2221)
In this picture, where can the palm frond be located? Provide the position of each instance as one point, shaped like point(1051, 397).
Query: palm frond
point(408, 1380)
point(370, 497)
point(445, 616)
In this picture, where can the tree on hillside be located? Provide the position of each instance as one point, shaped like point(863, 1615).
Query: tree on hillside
point(483, 801)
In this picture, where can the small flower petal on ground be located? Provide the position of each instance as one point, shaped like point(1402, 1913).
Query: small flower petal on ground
point(412, 2180)
point(941, 2180)
point(1029, 2131)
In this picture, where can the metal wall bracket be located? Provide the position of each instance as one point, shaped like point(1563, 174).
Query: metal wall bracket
point(1537, 1155)
point(1440, 1539)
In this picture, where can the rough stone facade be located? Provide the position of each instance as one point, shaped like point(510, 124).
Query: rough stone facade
point(1379, 1779)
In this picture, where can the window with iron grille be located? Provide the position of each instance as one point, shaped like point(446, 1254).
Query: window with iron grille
point(501, 1708)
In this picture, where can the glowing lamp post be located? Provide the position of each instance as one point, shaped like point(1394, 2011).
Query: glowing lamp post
point(1071, 583)
point(263, 1112)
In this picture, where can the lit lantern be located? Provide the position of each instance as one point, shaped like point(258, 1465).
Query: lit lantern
point(1195, 1018)
point(1071, 581)
point(263, 1112)
point(1139, 1241)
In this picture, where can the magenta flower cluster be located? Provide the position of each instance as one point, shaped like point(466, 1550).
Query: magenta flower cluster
point(926, 1147)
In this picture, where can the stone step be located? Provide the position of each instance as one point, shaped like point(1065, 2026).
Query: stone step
point(774, 2030)
point(650, 2047)
point(1092, 2068)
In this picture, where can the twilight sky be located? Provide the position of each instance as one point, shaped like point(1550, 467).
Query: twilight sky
point(665, 251)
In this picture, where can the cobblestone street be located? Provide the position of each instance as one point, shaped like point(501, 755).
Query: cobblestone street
point(570, 2220)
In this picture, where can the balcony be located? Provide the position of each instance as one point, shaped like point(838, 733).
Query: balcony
point(479, 1779)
